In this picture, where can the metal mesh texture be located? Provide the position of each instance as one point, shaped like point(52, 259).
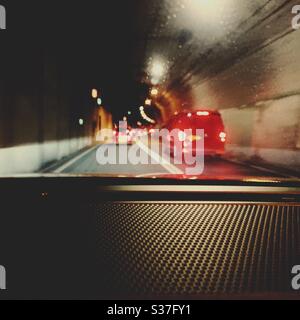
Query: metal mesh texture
point(198, 248)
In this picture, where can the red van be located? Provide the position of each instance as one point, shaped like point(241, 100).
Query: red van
point(212, 124)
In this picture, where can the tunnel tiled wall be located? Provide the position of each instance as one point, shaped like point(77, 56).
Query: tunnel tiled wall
point(269, 130)
point(40, 107)
point(259, 98)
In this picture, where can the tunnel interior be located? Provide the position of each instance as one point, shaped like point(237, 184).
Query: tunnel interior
point(241, 58)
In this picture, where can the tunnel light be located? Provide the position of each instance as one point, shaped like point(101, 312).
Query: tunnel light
point(94, 93)
point(81, 122)
point(157, 70)
point(154, 92)
point(213, 16)
point(155, 81)
point(209, 7)
point(145, 116)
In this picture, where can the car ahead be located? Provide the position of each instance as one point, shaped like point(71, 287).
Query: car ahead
point(209, 121)
point(122, 136)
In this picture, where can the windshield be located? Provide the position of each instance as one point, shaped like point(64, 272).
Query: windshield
point(183, 89)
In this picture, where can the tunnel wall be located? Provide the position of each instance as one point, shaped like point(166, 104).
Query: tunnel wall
point(259, 98)
point(39, 109)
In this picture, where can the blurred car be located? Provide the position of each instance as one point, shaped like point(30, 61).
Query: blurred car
point(122, 136)
point(209, 121)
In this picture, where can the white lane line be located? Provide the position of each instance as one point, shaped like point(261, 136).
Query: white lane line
point(72, 161)
point(160, 160)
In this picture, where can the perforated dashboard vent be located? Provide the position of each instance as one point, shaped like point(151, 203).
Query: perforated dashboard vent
point(198, 248)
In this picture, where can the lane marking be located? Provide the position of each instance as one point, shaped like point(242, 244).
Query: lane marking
point(72, 161)
point(160, 160)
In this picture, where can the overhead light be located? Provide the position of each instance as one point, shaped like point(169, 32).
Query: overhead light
point(95, 93)
point(215, 18)
point(145, 117)
point(81, 122)
point(129, 113)
point(154, 81)
point(154, 92)
point(99, 101)
point(157, 69)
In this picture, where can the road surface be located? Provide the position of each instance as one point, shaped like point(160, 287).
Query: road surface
point(86, 163)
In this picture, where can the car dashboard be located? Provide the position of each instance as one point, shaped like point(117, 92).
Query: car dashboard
point(106, 238)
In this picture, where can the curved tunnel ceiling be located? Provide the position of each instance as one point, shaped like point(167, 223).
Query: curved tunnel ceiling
point(194, 41)
point(197, 50)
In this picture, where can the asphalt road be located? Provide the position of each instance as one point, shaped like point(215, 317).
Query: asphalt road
point(86, 163)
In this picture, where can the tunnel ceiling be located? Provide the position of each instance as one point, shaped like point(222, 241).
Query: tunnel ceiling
point(118, 45)
point(188, 42)
point(196, 41)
